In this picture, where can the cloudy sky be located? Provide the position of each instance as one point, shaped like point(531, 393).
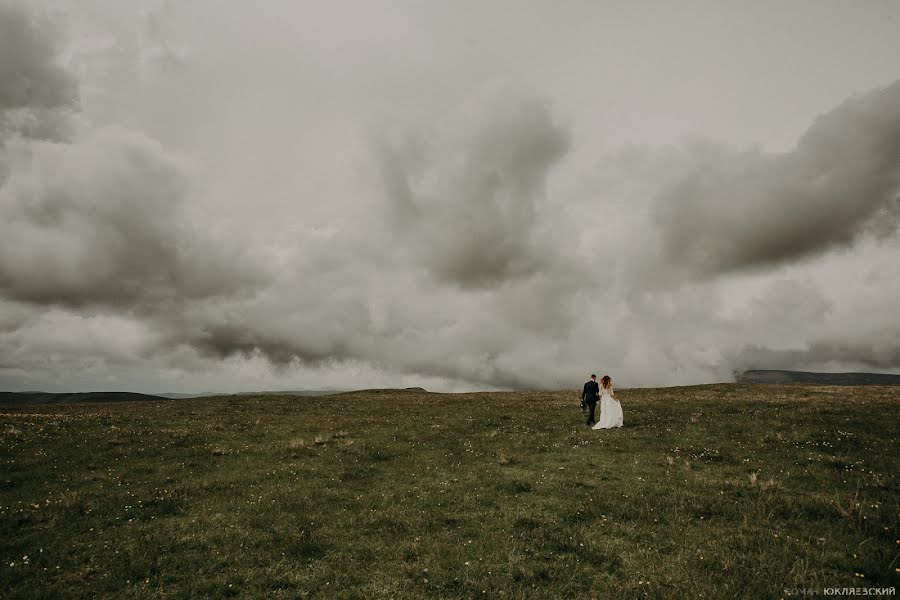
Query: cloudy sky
point(218, 196)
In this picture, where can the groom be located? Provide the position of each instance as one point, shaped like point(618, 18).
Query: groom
point(589, 396)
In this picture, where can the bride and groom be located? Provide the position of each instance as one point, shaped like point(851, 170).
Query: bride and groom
point(610, 409)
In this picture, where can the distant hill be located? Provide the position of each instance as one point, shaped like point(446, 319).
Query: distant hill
point(180, 396)
point(781, 377)
point(289, 393)
point(68, 398)
point(417, 390)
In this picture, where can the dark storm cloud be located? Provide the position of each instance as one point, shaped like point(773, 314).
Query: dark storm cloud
point(99, 220)
point(736, 210)
point(464, 190)
point(860, 353)
point(228, 339)
point(91, 216)
point(37, 96)
point(286, 321)
point(29, 74)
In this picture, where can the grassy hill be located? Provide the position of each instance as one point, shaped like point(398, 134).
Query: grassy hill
point(726, 491)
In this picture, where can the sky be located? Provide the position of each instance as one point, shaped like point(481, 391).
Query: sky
point(203, 196)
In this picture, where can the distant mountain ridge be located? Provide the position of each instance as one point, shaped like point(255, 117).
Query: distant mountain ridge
point(177, 395)
point(32, 397)
point(68, 398)
point(774, 376)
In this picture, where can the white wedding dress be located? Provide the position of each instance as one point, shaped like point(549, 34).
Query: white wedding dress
point(610, 410)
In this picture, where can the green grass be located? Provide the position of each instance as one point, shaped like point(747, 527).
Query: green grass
point(721, 491)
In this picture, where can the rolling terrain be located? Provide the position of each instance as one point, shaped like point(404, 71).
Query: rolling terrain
point(723, 490)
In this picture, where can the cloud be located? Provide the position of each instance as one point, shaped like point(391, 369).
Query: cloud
point(747, 209)
point(463, 191)
point(37, 95)
point(30, 77)
point(446, 272)
point(88, 221)
point(99, 220)
point(95, 216)
point(840, 320)
point(833, 354)
point(157, 46)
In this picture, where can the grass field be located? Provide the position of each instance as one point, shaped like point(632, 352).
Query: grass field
point(724, 491)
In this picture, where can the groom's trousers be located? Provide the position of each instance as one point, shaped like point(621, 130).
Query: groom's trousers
point(591, 407)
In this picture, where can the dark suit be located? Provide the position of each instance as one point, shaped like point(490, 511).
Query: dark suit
point(590, 395)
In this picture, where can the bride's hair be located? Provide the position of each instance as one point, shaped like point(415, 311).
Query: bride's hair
point(606, 380)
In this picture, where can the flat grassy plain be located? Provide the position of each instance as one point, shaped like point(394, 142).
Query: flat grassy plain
point(720, 491)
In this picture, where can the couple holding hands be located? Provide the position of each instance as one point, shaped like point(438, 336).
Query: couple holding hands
point(610, 410)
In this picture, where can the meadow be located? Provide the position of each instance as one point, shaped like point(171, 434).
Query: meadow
point(720, 491)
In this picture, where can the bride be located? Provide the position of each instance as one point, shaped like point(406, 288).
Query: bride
point(610, 409)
